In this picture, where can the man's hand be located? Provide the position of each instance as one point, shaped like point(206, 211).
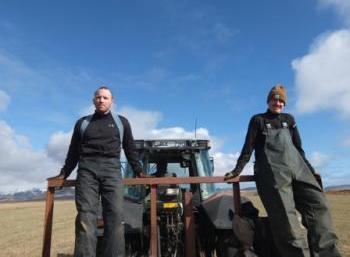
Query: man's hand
point(232, 174)
point(143, 174)
point(56, 177)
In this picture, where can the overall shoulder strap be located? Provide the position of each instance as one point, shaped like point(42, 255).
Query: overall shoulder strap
point(120, 126)
point(284, 124)
point(84, 125)
point(117, 120)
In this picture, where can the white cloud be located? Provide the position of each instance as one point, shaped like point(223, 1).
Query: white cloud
point(178, 132)
point(335, 171)
point(21, 167)
point(225, 162)
point(319, 160)
point(322, 81)
point(142, 122)
point(58, 145)
point(322, 76)
point(342, 7)
point(145, 125)
point(4, 100)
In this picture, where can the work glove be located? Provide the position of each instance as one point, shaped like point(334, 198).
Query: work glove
point(232, 174)
point(61, 175)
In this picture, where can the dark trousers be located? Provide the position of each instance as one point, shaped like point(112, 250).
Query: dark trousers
point(96, 178)
point(282, 200)
point(286, 184)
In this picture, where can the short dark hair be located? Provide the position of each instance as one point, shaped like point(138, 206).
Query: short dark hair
point(103, 87)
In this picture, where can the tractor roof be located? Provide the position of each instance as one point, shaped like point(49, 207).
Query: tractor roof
point(172, 144)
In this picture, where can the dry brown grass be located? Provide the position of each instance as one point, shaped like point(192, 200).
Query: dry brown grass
point(340, 207)
point(22, 226)
point(22, 229)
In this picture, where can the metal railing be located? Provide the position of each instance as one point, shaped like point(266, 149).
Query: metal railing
point(190, 248)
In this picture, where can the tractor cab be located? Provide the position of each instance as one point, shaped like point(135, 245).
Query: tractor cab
point(173, 158)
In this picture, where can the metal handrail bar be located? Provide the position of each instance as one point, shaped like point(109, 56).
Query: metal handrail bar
point(53, 184)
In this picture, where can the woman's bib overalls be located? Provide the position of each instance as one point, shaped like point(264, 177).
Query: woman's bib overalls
point(285, 185)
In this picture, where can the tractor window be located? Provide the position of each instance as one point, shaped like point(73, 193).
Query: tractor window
point(204, 168)
point(173, 169)
point(135, 191)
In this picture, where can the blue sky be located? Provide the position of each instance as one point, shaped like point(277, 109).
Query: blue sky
point(170, 63)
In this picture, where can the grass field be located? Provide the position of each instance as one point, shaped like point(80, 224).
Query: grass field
point(22, 226)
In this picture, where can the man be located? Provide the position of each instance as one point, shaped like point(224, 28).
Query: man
point(96, 145)
point(285, 182)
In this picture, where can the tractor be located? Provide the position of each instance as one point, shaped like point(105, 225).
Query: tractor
point(213, 210)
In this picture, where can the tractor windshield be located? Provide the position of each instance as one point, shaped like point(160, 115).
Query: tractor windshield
point(156, 169)
point(173, 164)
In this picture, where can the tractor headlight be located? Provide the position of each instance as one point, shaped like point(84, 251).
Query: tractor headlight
point(172, 191)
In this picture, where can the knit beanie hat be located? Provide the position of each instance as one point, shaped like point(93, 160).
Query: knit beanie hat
point(278, 92)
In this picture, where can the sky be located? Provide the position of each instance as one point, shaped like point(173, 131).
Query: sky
point(172, 64)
